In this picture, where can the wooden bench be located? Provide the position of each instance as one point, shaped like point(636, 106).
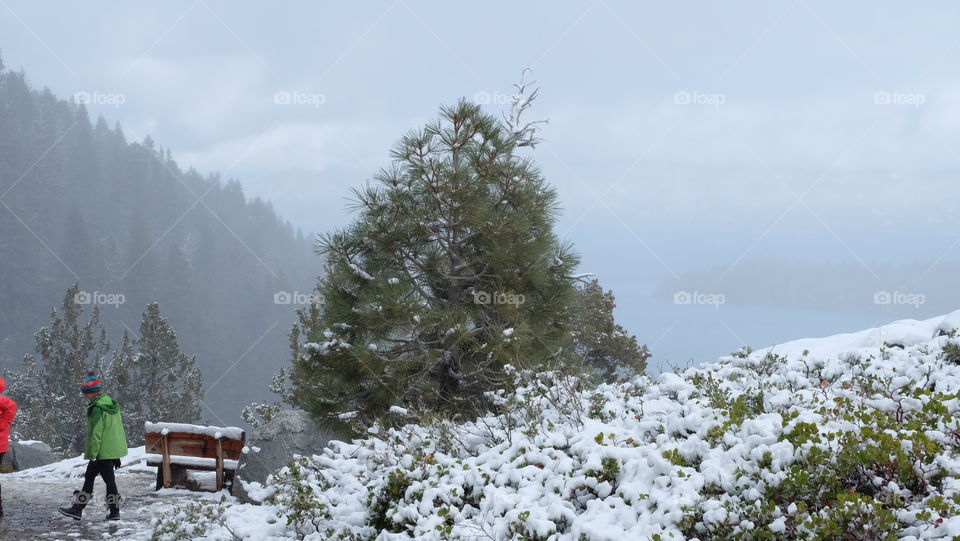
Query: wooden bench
point(175, 448)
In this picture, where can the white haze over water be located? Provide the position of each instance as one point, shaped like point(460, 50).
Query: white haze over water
point(795, 158)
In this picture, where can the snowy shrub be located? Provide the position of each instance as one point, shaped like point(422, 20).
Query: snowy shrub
point(192, 521)
point(259, 413)
point(299, 497)
point(852, 478)
point(839, 438)
point(951, 352)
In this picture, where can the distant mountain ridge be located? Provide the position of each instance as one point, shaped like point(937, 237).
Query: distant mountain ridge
point(79, 203)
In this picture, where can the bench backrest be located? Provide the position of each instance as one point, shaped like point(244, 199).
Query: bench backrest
point(196, 445)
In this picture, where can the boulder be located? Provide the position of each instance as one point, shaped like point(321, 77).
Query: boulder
point(23, 455)
point(273, 445)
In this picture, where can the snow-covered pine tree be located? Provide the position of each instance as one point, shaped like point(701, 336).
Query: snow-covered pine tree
point(153, 379)
point(602, 344)
point(50, 407)
point(451, 271)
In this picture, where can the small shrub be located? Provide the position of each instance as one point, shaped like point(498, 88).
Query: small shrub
point(392, 493)
point(298, 489)
point(951, 352)
point(191, 521)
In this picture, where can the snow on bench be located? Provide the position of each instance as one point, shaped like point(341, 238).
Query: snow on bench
point(176, 447)
point(196, 462)
point(229, 432)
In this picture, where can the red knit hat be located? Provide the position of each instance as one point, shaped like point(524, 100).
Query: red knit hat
point(90, 385)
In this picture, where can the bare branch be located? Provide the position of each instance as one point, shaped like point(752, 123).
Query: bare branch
point(525, 133)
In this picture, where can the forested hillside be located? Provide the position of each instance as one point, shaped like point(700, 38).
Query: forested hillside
point(80, 203)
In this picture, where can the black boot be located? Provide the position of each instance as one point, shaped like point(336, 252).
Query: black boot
point(114, 507)
point(75, 511)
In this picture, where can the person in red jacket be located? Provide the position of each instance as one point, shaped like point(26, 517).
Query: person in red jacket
point(8, 408)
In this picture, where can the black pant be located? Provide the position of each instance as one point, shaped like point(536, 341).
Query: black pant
point(1, 460)
point(103, 468)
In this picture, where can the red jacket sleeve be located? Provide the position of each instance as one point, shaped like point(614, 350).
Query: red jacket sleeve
point(8, 410)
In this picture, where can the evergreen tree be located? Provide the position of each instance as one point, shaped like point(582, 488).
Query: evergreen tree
point(602, 344)
point(47, 390)
point(127, 391)
point(155, 380)
point(74, 195)
point(450, 272)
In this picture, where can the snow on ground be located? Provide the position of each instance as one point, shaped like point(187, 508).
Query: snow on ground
point(904, 332)
point(754, 443)
point(31, 498)
point(75, 467)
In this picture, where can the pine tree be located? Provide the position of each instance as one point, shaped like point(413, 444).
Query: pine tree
point(155, 380)
point(602, 344)
point(82, 188)
point(47, 391)
point(126, 390)
point(450, 272)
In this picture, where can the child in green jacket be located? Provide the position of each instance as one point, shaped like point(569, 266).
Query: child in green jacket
point(106, 444)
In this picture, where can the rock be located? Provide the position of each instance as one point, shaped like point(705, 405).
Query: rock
point(272, 446)
point(23, 455)
point(950, 324)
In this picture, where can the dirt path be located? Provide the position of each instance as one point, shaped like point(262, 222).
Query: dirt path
point(30, 508)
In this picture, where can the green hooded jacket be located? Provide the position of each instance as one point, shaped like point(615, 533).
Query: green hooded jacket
point(106, 439)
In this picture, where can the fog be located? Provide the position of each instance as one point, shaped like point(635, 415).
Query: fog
point(787, 164)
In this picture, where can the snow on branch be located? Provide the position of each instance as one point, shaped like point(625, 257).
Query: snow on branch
point(525, 133)
point(582, 277)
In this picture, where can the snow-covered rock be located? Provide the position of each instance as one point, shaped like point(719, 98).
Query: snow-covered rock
point(273, 445)
point(23, 455)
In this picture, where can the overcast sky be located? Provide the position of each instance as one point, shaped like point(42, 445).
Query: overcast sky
point(698, 147)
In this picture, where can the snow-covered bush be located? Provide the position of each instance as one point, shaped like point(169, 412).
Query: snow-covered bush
point(192, 521)
point(951, 352)
point(839, 438)
point(299, 495)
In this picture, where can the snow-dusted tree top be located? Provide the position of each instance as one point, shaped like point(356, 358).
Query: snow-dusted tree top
point(229, 432)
